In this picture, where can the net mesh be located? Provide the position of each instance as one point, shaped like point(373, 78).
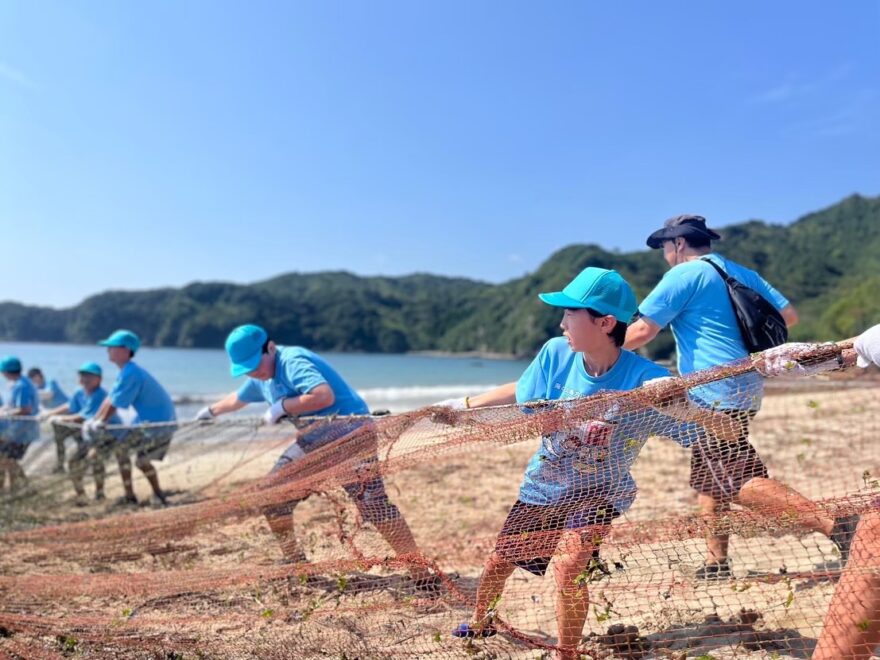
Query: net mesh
point(207, 577)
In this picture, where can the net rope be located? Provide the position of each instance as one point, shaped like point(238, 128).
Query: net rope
point(206, 577)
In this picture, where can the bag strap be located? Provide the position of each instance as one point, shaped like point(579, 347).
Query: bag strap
point(727, 278)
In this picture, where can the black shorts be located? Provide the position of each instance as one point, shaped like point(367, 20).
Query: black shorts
point(13, 450)
point(531, 532)
point(720, 468)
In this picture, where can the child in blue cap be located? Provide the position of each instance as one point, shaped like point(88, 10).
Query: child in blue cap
point(67, 420)
point(579, 479)
point(16, 433)
point(137, 388)
point(296, 382)
point(52, 397)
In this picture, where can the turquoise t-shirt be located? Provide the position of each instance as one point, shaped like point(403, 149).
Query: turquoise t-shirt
point(692, 299)
point(52, 395)
point(21, 394)
point(135, 387)
point(559, 471)
point(86, 405)
point(299, 371)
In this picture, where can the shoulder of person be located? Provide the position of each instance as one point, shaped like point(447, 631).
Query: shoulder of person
point(647, 369)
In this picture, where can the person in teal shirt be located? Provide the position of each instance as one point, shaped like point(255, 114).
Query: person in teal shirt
point(51, 397)
point(17, 432)
point(67, 420)
point(579, 479)
point(153, 426)
point(296, 382)
point(692, 299)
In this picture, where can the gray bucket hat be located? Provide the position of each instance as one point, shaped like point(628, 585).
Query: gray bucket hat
point(682, 225)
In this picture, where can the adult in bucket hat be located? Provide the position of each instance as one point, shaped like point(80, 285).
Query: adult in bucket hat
point(692, 299)
point(579, 478)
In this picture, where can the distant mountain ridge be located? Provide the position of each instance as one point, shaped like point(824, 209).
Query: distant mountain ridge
point(827, 263)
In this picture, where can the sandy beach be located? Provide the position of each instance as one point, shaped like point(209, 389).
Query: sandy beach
point(216, 590)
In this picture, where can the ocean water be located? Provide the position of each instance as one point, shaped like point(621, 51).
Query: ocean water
point(195, 377)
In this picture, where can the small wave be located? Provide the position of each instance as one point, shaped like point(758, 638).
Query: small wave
point(432, 392)
point(190, 399)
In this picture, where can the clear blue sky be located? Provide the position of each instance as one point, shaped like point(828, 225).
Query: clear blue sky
point(145, 144)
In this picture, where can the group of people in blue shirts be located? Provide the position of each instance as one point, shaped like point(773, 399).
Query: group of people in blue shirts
point(579, 479)
point(90, 418)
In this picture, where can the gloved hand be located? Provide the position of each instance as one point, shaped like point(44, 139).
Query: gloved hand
point(204, 414)
point(668, 400)
point(780, 360)
point(92, 428)
point(867, 347)
point(275, 413)
point(445, 411)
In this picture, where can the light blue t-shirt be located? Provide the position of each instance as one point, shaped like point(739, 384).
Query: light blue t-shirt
point(54, 395)
point(22, 394)
point(86, 405)
point(565, 467)
point(299, 371)
point(692, 299)
point(135, 387)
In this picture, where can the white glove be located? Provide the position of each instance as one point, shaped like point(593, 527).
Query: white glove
point(673, 403)
point(275, 413)
point(454, 404)
point(867, 347)
point(92, 428)
point(780, 360)
point(204, 414)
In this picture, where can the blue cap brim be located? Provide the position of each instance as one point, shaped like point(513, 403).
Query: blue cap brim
point(559, 299)
point(247, 366)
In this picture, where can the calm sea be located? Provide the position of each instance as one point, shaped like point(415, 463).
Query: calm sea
point(198, 376)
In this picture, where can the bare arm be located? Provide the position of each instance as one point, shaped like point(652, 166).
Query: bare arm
point(669, 396)
point(105, 412)
point(789, 315)
point(503, 395)
point(63, 409)
point(640, 333)
point(229, 403)
point(316, 399)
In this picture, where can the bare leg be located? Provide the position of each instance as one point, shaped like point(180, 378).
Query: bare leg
point(281, 524)
point(146, 467)
point(716, 544)
point(776, 498)
point(77, 469)
point(97, 458)
point(124, 461)
point(495, 573)
point(852, 624)
point(572, 599)
point(17, 478)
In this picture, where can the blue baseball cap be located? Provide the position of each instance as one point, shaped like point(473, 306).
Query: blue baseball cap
point(90, 368)
point(597, 288)
point(10, 365)
point(123, 338)
point(244, 345)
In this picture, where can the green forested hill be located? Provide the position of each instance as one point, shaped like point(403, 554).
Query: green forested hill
point(827, 263)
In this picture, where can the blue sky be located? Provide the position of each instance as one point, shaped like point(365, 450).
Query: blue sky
point(153, 144)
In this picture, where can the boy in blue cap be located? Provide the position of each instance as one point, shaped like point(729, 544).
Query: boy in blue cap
point(66, 422)
point(135, 387)
point(692, 299)
point(16, 434)
point(297, 382)
point(579, 480)
point(52, 397)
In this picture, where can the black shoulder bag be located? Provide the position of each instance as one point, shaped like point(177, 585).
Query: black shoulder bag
point(760, 323)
